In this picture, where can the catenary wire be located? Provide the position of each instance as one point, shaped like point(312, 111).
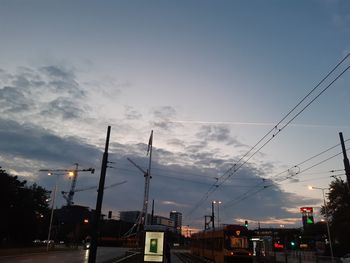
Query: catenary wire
point(233, 167)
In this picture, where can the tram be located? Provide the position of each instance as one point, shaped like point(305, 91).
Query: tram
point(228, 244)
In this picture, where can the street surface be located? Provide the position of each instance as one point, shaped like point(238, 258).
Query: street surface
point(76, 256)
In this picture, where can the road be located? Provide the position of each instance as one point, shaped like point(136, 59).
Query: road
point(75, 256)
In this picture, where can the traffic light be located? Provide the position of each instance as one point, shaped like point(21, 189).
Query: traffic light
point(109, 214)
point(293, 245)
point(246, 223)
point(310, 220)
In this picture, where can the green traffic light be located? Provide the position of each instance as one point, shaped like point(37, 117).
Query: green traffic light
point(309, 221)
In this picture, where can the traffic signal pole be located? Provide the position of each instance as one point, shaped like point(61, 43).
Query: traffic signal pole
point(346, 160)
point(97, 215)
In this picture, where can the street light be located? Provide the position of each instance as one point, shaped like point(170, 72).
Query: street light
point(52, 207)
point(327, 221)
point(218, 202)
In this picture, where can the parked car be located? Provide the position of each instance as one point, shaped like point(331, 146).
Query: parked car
point(345, 258)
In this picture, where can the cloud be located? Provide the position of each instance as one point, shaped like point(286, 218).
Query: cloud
point(39, 106)
point(35, 143)
point(216, 133)
point(61, 80)
point(179, 179)
point(49, 96)
point(57, 72)
point(64, 107)
point(162, 118)
point(165, 112)
point(13, 101)
point(176, 142)
point(173, 204)
point(131, 113)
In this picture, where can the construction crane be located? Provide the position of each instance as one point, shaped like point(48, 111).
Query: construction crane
point(143, 218)
point(74, 174)
point(64, 193)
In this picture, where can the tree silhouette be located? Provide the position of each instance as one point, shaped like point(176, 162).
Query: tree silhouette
point(338, 208)
point(24, 210)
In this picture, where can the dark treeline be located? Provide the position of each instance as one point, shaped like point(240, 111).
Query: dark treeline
point(338, 214)
point(24, 211)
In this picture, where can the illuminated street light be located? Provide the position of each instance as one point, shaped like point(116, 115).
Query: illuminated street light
point(52, 207)
point(327, 221)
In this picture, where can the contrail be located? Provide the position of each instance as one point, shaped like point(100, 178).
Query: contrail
point(253, 123)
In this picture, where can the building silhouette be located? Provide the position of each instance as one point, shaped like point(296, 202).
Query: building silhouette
point(177, 218)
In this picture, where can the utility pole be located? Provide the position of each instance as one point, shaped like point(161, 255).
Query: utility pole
point(212, 215)
point(152, 215)
point(97, 215)
point(346, 160)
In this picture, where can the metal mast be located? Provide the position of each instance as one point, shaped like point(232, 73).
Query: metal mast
point(143, 218)
point(148, 178)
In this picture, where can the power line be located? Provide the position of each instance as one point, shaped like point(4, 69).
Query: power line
point(307, 160)
point(250, 193)
point(235, 167)
point(247, 193)
point(317, 178)
point(290, 111)
point(321, 162)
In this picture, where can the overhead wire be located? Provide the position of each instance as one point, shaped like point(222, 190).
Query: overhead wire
point(279, 180)
point(235, 167)
point(294, 108)
point(321, 162)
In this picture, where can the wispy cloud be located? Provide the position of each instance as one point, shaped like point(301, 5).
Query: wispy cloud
point(174, 204)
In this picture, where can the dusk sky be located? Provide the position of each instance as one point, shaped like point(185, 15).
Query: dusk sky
point(210, 78)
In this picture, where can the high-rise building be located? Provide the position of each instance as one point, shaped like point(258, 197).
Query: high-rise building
point(177, 218)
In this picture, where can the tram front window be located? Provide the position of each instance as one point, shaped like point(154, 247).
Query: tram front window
point(238, 242)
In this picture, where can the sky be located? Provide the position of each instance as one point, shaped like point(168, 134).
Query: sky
point(210, 78)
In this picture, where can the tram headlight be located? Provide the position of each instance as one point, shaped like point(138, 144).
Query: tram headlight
point(231, 253)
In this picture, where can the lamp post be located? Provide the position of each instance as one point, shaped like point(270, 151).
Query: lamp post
point(53, 205)
point(327, 221)
point(218, 203)
point(52, 208)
